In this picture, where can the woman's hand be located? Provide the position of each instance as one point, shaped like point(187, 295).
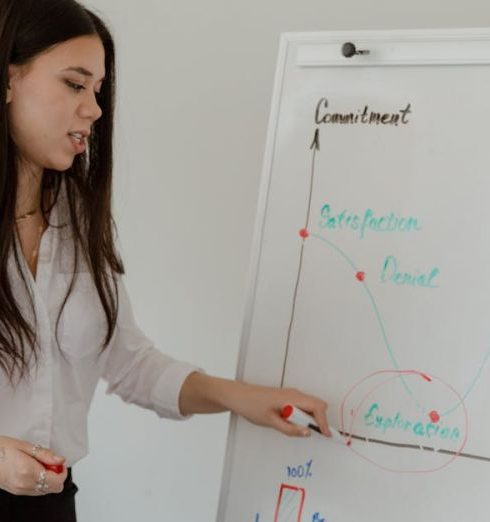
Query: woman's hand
point(19, 470)
point(261, 405)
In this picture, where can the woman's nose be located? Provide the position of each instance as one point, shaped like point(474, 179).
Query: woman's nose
point(90, 107)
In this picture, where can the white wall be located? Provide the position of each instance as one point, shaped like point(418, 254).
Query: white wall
point(195, 81)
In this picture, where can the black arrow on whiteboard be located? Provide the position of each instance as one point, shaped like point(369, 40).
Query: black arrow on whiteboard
point(315, 146)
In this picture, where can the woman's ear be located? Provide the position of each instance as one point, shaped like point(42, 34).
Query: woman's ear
point(9, 90)
point(9, 93)
point(13, 72)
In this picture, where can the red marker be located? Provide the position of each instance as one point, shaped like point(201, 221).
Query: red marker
point(296, 416)
point(57, 468)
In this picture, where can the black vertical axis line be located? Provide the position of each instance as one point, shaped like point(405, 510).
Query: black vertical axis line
point(315, 146)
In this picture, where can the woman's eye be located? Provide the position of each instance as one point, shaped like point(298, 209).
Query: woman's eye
point(75, 86)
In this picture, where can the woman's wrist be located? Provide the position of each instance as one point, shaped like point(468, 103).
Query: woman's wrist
point(203, 393)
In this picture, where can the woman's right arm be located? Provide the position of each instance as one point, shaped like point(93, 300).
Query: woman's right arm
point(19, 470)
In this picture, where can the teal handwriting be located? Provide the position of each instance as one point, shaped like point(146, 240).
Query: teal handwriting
point(427, 430)
point(367, 221)
point(391, 273)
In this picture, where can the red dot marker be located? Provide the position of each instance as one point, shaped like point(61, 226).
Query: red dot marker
point(361, 276)
point(434, 416)
point(304, 233)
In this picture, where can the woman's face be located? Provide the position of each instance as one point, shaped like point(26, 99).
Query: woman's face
point(46, 102)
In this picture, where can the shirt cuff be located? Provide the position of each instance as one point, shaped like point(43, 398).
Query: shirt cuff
point(166, 392)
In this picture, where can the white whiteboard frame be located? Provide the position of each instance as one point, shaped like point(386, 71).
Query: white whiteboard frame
point(321, 49)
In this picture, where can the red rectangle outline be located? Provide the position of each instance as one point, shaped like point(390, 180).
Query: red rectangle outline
point(293, 488)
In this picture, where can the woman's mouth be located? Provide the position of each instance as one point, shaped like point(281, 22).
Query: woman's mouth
point(78, 142)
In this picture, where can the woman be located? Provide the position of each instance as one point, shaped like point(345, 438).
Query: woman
point(65, 315)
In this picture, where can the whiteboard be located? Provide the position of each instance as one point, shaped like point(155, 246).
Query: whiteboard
point(370, 282)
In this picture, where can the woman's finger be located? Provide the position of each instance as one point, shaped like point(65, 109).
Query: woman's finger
point(44, 455)
point(318, 410)
point(320, 415)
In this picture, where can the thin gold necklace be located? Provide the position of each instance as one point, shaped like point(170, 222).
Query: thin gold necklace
point(35, 252)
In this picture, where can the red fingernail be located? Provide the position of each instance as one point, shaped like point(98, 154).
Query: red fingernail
point(57, 468)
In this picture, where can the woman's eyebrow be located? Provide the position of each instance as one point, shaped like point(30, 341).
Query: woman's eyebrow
point(83, 71)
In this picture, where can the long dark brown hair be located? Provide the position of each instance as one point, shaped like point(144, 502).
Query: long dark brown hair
point(28, 28)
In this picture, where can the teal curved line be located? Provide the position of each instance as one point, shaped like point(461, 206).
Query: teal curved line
point(371, 298)
point(472, 385)
point(335, 247)
point(385, 337)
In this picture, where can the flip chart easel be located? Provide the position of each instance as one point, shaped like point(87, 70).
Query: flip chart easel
point(370, 283)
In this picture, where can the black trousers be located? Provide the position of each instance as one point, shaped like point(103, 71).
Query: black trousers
point(53, 507)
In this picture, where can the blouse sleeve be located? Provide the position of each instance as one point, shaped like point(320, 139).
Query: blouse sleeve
point(137, 371)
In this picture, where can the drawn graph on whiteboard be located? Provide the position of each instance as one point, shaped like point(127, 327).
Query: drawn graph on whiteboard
point(424, 412)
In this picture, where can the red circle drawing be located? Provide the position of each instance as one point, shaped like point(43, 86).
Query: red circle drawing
point(349, 417)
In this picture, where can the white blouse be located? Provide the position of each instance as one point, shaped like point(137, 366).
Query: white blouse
point(52, 408)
